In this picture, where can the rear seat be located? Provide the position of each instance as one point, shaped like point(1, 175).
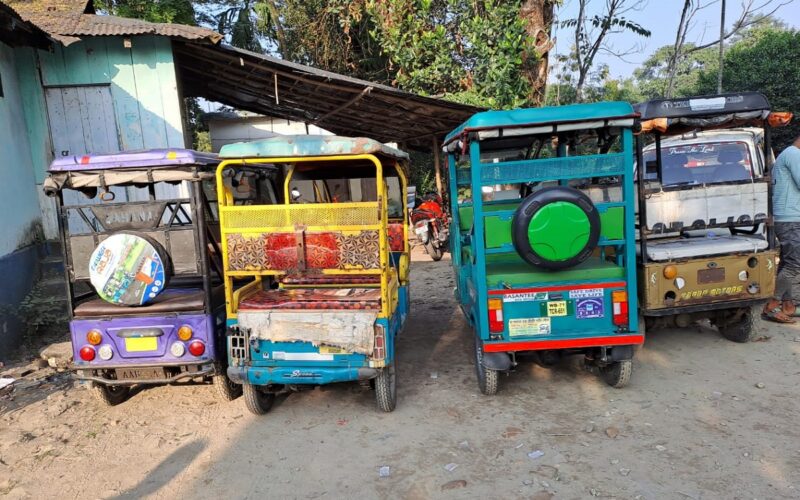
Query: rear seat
point(313, 298)
point(331, 279)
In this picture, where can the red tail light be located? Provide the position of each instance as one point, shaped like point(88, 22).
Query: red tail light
point(619, 300)
point(496, 324)
point(87, 353)
point(197, 348)
point(379, 351)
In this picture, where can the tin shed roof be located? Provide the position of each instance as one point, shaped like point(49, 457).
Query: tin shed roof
point(14, 31)
point(68, 20)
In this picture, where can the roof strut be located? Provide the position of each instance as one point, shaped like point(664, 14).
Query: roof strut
point(349, 103)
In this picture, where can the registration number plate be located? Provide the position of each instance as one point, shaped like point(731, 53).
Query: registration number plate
point(557, 308)
point(141, 344)
point(140, 373)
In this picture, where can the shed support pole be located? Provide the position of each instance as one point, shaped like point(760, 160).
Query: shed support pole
point(436, 166)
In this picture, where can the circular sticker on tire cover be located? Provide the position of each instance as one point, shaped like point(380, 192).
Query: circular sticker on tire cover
point(125, 269)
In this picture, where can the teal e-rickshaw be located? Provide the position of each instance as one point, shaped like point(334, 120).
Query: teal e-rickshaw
point(543, 236)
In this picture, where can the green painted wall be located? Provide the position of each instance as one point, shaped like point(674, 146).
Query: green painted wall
point(33, 102)
point(19, 207)
point(142, 81)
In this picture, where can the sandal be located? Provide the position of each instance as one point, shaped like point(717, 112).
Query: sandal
point(777, 316)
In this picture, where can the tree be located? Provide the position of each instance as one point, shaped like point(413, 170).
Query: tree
point(156, 11)
point(764, 61)
point(537, 16)
point(592, 31)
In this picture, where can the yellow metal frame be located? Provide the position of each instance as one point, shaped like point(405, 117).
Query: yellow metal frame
point(226, 204)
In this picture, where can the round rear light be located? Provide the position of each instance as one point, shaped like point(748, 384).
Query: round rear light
point(670, 272)
point(185, 332)
point(94, 337)
point(87, 353)
point(105, 352)
point(197, 348)
point(177, 349)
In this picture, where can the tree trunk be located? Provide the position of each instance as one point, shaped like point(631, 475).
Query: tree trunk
point(538, 17)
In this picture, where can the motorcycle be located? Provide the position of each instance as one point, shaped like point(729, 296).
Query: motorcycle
point(431, 225)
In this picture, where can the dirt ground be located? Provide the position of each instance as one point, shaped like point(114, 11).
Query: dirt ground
point(702, 418)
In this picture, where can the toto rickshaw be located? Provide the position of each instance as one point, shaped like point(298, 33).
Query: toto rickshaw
point(143, 269)
point(316, 286)
point(707, 246)
point(543, 238)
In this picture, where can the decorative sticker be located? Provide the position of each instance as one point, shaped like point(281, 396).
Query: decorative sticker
point(583, 294)
point(525, 327)
point(589, 309)
point(127, 269)
point(525, 297)
point(557, 308)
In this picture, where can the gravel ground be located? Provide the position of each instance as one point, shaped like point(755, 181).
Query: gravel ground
point(702, 418)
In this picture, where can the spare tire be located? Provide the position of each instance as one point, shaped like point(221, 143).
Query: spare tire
point(556, 228)
point(129, 269)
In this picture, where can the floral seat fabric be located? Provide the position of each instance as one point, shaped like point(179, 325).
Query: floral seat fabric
point(313, 298)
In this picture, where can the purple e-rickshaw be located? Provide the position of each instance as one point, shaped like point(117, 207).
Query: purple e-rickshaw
point(140, 238)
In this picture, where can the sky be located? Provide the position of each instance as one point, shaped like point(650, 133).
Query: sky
point(661, 18)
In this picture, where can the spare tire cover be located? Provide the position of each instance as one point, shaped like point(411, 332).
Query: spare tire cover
point(129, 269)
point(556, 228)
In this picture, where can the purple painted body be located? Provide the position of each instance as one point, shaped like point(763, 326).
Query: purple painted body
point(202, 326)
point(133, 159)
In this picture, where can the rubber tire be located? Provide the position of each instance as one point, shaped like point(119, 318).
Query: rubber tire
point(743, 331)
point(386, 388)
point(110, 395)
point(488, 380)
point(257, 401)
point(226, 389)
point(617, 374)
point(532, 204)
point(436, 253)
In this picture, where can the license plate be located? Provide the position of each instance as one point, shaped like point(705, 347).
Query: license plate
point(716, 275)
point(528, 327)
point(557, 308)
point(141, 344)
point(140, 373)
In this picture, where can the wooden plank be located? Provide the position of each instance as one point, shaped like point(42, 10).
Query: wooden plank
point(170, 96)
point(97, 56)
point(123, 92)
point(35, 109)
point(76, 65)
point(151, 108)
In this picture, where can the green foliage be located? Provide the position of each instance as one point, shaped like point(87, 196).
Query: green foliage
point(156, 11)
point(652, 76)
point(766, 61)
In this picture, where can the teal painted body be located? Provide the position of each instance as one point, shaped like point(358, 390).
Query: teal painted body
point(264, 368)
point(582, 314)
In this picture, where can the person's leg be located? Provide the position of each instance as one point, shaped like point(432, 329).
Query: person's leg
point(788, 234)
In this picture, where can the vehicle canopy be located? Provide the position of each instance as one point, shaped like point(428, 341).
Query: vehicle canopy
point(90, 171)
point(286, 146)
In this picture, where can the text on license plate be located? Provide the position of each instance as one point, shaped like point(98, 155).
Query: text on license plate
point(141, 344)
point(557, 308)
point(153, 373)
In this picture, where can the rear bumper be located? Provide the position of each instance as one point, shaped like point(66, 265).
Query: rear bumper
point(716, 306)
point(187, 371)
point(541, 345)
point(308, 375)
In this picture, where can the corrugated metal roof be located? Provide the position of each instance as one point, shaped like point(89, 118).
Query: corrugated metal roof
point(68, 20)
point(14, 31)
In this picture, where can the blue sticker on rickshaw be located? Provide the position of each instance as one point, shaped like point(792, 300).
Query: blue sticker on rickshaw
point(589, 308)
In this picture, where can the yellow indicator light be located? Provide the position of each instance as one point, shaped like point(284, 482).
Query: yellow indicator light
point(619, 296)
point(94, 337)
point(495, 304)
point(185, 332)
point(670, 272)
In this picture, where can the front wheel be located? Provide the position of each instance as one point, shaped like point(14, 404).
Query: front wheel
point(617, 374)
point(488, 380)
point(386, 388)
point(227, 390)
point(257, 401)
point(743, 329)
point(110, 395)
point(435, 252)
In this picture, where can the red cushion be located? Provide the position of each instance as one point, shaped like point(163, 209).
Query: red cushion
point(313, 298)
point(332, 279)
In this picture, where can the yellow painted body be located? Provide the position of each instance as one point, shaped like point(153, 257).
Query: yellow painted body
point(708, 280)
point(346, 218)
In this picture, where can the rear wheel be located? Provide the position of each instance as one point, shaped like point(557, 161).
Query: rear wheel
point(617, 374)
point(435, 252)
point(743, 329)
point(257, 400)
point(488, 380)
point(227, 390)
point(111, 395)
point(386, 388)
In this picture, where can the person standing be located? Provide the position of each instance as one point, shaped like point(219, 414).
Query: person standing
point(786, 210)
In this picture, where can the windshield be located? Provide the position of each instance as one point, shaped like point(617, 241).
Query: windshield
point(703, 163)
